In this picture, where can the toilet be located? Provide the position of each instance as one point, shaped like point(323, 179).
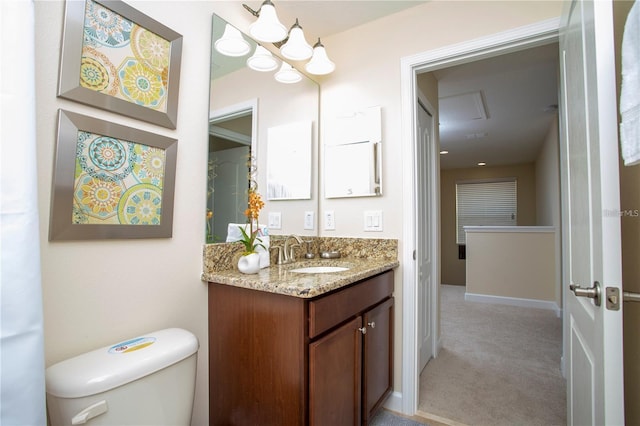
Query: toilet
point(147, 380)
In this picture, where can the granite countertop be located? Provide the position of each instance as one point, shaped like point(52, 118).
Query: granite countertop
point(281, 280)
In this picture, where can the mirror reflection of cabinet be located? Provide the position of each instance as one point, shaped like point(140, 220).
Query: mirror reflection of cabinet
point(276, 104)
point(353, 155)
point(289, 161)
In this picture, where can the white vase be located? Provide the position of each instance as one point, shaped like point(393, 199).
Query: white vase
point(249, 264)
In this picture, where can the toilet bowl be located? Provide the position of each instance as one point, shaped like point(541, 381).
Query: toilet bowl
point(147, 380)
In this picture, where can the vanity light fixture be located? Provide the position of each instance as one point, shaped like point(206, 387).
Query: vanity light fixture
point(482, 164)
point(262, 60)
point(444, 152)
point(267, 28)
point(320, 64)
point(232, 43)
point(296, 48)
point(288, 74)
point(292, 45)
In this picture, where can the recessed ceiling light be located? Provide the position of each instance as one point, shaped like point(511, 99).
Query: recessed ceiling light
point(482, 163)
point(444, 151)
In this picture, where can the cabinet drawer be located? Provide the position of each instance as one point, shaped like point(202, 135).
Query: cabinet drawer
point(331, 310)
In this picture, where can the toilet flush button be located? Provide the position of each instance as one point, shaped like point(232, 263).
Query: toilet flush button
point(90, 412)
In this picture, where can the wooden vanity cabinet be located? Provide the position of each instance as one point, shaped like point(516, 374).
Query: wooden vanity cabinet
point(283, 360)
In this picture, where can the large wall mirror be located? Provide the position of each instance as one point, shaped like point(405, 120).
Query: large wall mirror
point(246, 107)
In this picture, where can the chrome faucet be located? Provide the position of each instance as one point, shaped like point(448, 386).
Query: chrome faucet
point(289, 254)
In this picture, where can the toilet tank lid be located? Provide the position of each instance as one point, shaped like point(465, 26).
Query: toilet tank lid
point(115, 365)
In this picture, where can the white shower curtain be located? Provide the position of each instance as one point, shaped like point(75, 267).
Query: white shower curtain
point(22, 391)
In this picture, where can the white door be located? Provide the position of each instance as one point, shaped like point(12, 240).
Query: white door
point(424, 253)
point(589, 145)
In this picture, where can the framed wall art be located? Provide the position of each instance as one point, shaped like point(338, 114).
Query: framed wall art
point(119, 59)
point(111, 181)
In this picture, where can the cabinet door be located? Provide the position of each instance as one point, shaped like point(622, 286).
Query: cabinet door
point(335, 374)
point(377, 358)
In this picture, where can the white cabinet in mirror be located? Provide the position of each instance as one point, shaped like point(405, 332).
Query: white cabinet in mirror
point(289, 161)
point(353, 154)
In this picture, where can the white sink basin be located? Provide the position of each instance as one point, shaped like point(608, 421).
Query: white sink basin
point(319, 269)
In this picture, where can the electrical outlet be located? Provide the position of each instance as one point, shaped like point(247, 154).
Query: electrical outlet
point(329, 220)
point(275, 220)
point(308, 220)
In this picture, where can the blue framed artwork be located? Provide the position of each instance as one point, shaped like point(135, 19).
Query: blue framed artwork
point(119, 59)
point(111, 181)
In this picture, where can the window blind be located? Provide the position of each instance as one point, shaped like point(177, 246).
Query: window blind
point(485, 204)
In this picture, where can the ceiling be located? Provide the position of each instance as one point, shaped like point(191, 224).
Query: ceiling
point(328, 17)
point(498, 110)
point(507, 102)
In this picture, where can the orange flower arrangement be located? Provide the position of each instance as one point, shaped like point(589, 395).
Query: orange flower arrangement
point(252, 213)
point(208, 221)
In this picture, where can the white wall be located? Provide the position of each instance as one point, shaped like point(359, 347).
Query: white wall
point(548, 180)
point(548, 195)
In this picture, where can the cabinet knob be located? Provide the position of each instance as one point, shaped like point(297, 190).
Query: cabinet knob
point(372, 324)
point(363, 330)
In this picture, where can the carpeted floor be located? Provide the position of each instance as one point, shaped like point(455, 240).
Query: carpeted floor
point(499, 365)
point(387, 418)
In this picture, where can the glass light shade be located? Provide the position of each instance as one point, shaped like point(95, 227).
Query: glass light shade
point(320, 64)
point(288, 74)
point(296, 48)
point(268, 28)
point(262, 60)
point(232, 43)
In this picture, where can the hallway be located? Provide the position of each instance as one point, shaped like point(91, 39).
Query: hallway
point(498, 365)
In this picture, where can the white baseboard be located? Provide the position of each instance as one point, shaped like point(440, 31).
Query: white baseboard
point(514, 301)
point(394, 403)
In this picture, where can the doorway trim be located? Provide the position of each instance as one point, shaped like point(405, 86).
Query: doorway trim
point(240, 109)
point(537, 34)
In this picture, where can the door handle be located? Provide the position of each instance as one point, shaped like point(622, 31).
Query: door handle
point(594, 292)
point(629, 296)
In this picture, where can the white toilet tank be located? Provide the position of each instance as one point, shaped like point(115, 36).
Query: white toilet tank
point(147, 380)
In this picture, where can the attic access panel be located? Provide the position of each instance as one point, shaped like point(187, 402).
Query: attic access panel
point(464, 107)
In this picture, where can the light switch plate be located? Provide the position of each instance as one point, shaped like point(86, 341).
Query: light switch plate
point(329, 220)
point(275, 220)
point(308, 220)
point(373, 220)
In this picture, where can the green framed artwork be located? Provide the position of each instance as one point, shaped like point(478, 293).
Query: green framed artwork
point(119, 59)
point(111, 181)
